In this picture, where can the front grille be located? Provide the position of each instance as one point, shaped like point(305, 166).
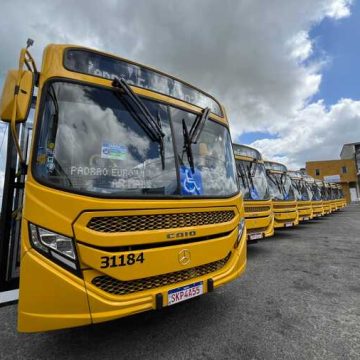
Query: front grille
point(118, 287)
point(257, 230)
point(283, 221)
point(111, 224)
point(290, 207)
point(256, 208)
point(304, 207)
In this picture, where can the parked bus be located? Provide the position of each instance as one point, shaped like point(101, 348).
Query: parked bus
point(341, 198)
point(282, 194)
point(337, 196)
point(131, 198)
point(316, 202)
point(325, 196)
point(303, 195)
point(259, 215)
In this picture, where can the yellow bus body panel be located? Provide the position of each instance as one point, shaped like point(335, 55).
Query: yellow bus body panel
point(333, 205)
point(317, 208)
point(327, 207)
point(305, 210)
point(285, 212)
point(50, 297)
point(259, 217)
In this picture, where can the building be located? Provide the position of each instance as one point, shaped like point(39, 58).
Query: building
point(343, 171)
point(352, 152)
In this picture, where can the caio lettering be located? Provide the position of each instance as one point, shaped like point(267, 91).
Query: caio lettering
point(181, 235)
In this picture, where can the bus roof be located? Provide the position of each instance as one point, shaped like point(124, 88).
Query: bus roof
point(275, 166)
point(295, 174)
point(100, 64)
point(246, 151)
point(308, 178)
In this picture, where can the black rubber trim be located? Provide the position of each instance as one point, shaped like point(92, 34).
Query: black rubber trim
point(159, 301)
point(210, 285)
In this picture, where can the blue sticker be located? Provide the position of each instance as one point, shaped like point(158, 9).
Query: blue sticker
point(254, 194)
point(191, 182)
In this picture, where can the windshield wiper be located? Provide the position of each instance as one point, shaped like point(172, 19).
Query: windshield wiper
point(242, 174)
point(187, 145)
point(275, 182)
point(251, 170)
point(148, 123)
point(192, 136)
point(282, 182)
point(198, 126)
point(251, 174)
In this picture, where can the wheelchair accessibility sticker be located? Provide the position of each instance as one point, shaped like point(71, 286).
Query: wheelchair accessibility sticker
point(254, 194)
point(191, 182)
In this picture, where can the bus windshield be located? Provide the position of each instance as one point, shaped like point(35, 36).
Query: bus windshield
point(302, 192)
point(317, 193)
point(253, 181)
point(323, 191)
point(90, 140)
point(280, 186)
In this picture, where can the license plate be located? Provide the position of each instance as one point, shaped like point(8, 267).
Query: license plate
point(185, 292)
point(288, 224)
point(306, 218)
point(255, 236)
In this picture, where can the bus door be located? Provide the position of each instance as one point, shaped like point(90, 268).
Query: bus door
point(11, 210)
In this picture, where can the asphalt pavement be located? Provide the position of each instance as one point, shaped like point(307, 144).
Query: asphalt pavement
point(299, 299)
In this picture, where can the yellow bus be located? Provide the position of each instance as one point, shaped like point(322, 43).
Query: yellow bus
point(340, 196)
point(336, 196)
point(131, 198)
point(282, 194)
point(303, 195)
point(316, 201)
point(325, 196)
point(259, 214)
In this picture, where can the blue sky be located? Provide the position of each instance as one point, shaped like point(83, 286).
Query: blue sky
point(341, 42)
point(337, 43)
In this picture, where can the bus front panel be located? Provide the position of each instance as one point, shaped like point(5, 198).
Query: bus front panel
point(131, 198)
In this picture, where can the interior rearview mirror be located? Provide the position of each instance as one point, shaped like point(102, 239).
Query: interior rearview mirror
point(24, 98)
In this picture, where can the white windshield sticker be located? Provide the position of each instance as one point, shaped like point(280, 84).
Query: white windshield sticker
point(113, 151)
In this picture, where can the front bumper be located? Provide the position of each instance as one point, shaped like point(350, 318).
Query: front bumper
point(263, 226)
point(305, 211)
point(53, 298)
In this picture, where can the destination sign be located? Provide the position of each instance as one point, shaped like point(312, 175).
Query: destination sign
point(108, 67)
point(241, 150)
point(275, 166)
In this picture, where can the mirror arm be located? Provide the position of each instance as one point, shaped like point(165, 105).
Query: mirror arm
point(27, 59)
point(13, 126)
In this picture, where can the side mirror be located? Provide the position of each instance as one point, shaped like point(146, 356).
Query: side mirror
point(24, 95)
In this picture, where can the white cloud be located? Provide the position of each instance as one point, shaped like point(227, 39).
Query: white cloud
point(301, 46)
point(339, 9)
point(252, 55)
point(315, 133)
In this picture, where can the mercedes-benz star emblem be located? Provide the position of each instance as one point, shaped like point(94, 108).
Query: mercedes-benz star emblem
point(184, 257)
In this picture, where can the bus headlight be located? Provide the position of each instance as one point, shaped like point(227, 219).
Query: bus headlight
point(57, 247)
point(241, 228)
